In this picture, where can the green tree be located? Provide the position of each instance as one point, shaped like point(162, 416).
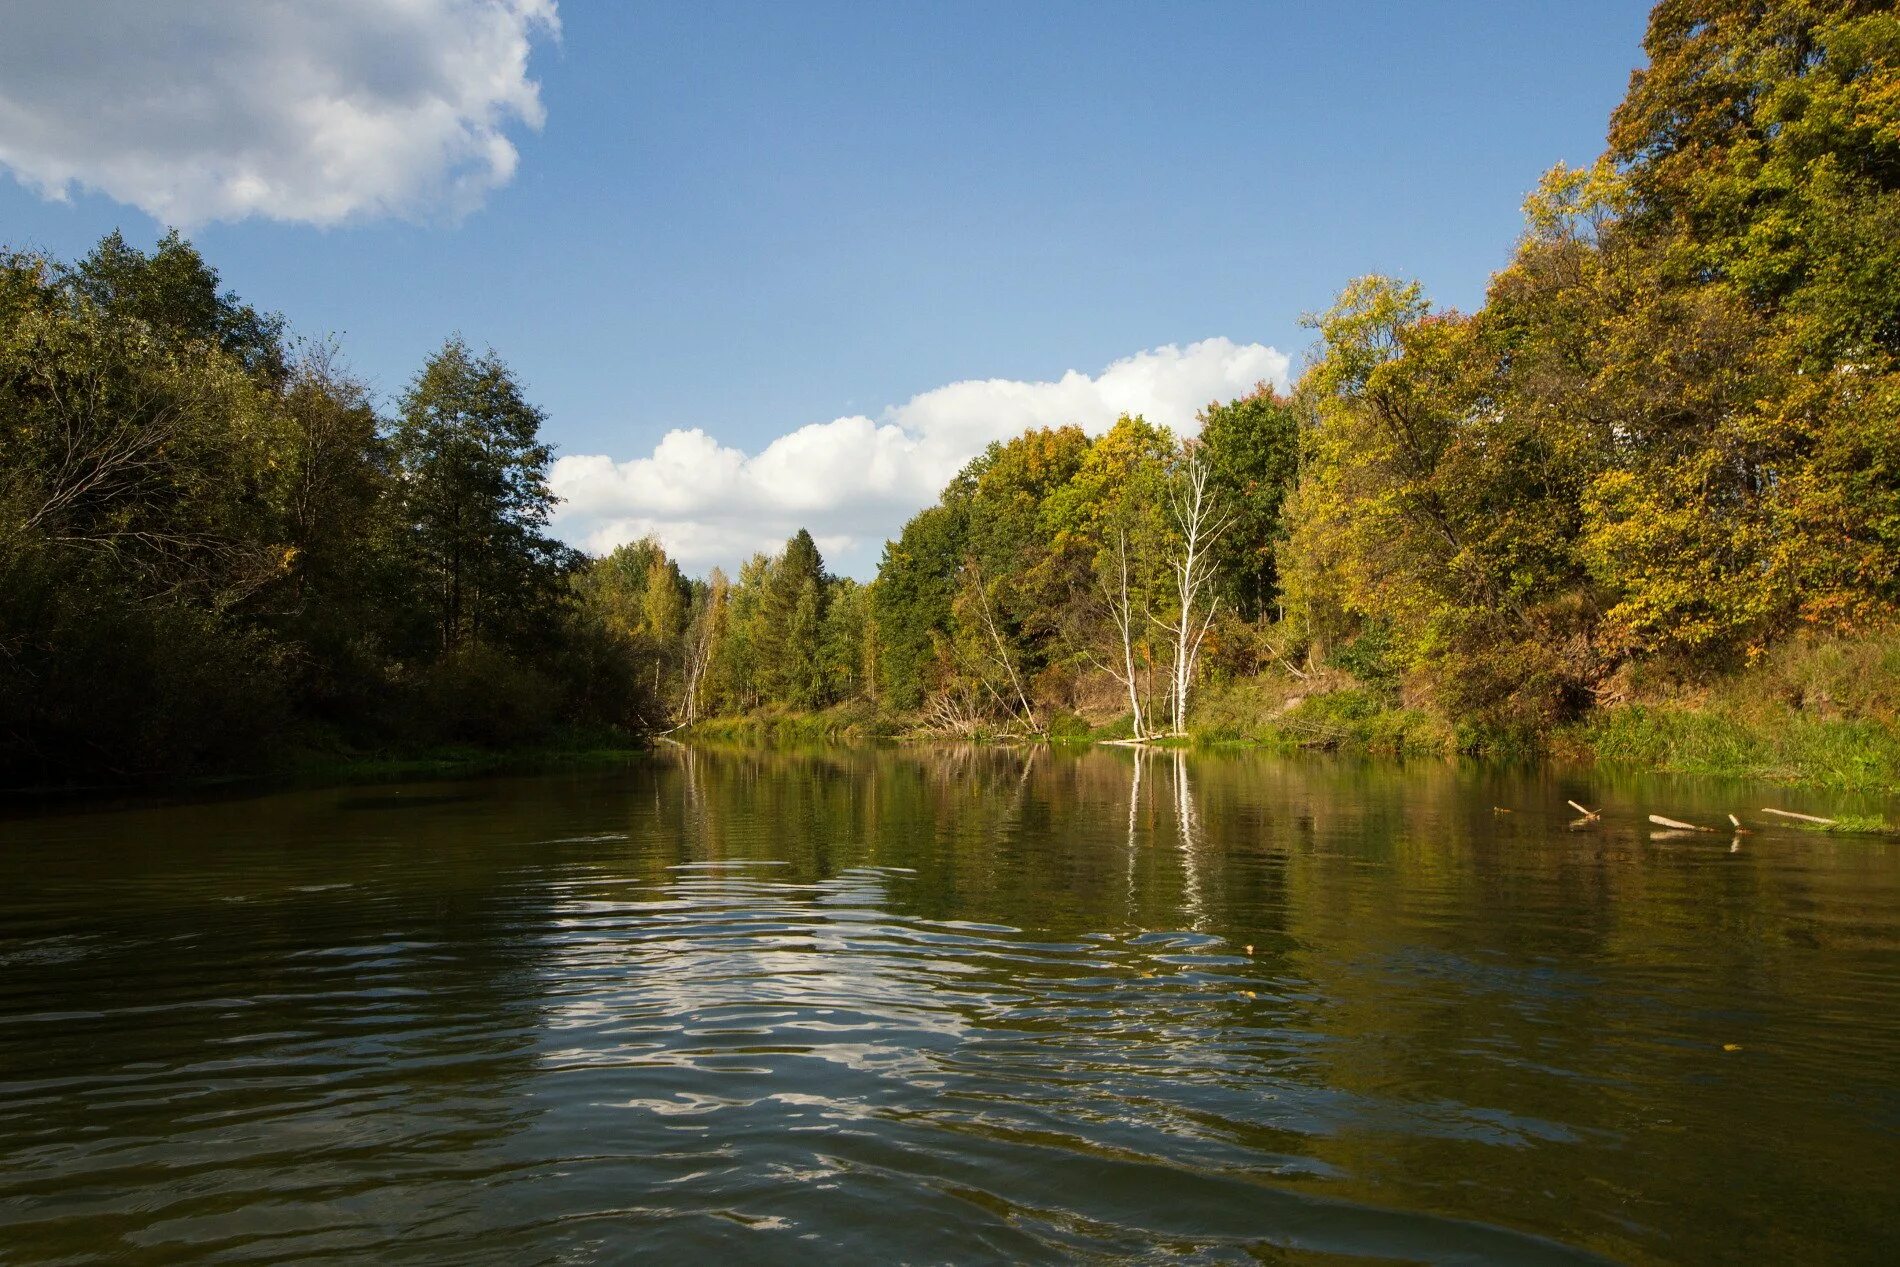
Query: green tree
point(846, 646)
point(911, 602)
point(1252, 450)
point(472, 473)
point(174, 293)
point(740, 663)
point(792, 609)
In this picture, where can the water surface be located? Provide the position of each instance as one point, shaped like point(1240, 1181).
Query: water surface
point(948, 1006)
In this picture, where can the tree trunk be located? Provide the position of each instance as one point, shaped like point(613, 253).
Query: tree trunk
point(1196, 519)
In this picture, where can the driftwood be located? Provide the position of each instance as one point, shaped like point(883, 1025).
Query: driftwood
point(1805, 818)
point(1679, 825)
point(1589, 815)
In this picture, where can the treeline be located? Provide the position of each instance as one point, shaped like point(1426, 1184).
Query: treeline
point(1059, 575)
point(784, 634)
point(212, 546)
point(1667, 442)
point(1671, 435)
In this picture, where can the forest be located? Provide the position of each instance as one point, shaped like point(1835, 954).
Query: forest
point(1645, 500)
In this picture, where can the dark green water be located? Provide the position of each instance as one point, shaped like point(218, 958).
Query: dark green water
point(960, 1006)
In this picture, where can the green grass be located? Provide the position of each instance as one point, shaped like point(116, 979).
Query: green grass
point(1268, 712)
point(1779, 744)
point(857, 722)
point(1820, 710)
point(1855, 825)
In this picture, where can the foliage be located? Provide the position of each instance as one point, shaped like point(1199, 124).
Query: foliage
point(1645, 499)
point(1252, 447)
point(213, 550)
point(1669, 433)
point(471, 474)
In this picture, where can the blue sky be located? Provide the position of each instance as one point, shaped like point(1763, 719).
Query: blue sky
point(750, 219)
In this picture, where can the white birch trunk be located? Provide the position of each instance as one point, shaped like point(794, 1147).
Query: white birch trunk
point(1199, 523)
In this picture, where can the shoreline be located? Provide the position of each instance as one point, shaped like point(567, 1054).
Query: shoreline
point(1779, 745)
point(1855, 757)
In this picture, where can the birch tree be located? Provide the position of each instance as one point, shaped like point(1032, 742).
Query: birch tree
point(1198, 523)
point(1117, 589)
point(702, 640)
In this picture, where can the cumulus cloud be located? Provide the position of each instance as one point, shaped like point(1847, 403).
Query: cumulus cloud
point(854, 480)
point(308, 110)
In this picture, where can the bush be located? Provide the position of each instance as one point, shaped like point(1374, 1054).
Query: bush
point(96, 686)
point(480, 695)
point(1067, 727)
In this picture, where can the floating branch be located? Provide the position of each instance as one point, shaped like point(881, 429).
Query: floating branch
point(1589, 814)
point(1660, 821)
point(1805, 818)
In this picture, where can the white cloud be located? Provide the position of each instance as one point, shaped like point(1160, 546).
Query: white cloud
point(853, 481)
point(309, 110)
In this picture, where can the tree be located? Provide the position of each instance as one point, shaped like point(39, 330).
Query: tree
point(472, 471)
point(1252, 450)
point(912, 601)
point(985, 654)
point(1199, 521)
point(663, 619)
point(1119, 588)
point(705, 631)
point(174, 293)
point(845, 642)
point(792, 610)
point(740, 665)
point(1109, 517)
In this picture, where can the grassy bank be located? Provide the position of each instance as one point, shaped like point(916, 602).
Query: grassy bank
point(1334, 713)
point(1779, 745)
point(1819, 712)
point(855, 722)
point(1782, 745)
point(312, 764)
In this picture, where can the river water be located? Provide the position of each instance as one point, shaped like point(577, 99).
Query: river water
point(949, 1006)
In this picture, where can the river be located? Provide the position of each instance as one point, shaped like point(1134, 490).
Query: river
point(949, 1005)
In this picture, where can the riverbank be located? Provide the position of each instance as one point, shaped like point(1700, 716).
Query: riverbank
point(310, 764)
point(453, 760)
point(1821, 713)
point(1767, 740)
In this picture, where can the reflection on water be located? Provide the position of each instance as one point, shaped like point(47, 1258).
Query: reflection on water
point(947, 1005)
